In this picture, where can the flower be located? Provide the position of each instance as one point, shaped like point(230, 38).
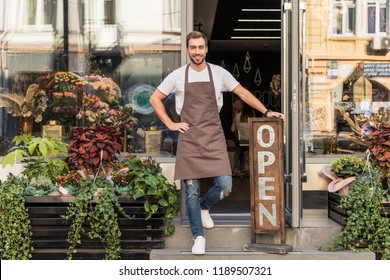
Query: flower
point(99, 113)
point(92, 98)
point(64, 90)
point(103, 87)
point(32, 104)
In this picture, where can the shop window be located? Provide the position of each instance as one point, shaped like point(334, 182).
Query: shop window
point(134, 47)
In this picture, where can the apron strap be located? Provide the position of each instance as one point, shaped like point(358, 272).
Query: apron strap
point(208, 68)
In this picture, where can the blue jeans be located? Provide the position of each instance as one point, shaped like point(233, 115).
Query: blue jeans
point(194, 204)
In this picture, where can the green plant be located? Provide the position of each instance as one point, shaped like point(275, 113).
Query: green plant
point(31, 149)
point(41, 166)
point(90, 147)
point(101, 214)
point(348, 166)
point(15, 226)
point(365, 225)
point(69, 181)
point(141, 178)
point(40, 185)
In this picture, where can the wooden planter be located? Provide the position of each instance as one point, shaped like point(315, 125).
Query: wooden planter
point(50, 232)
point(337, 214)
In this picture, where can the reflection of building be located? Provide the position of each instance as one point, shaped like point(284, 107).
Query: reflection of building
point(133, 45)
point(347, 61)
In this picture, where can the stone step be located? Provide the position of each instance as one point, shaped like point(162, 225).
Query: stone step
point(231, 254)
point(235, 232)
point(230, 236)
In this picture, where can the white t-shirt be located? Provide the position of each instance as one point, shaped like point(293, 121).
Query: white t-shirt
point(174, 83)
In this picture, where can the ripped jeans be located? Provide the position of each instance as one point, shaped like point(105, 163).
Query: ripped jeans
point(222, 187)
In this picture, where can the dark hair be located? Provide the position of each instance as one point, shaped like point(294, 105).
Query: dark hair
point(246, 112)
point(196, 35)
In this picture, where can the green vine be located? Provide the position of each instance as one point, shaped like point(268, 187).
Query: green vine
point(102, 217)
point(365, 226)
point(15, 225)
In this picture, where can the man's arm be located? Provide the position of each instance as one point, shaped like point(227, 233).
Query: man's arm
point(252, 101)
point(156, 101)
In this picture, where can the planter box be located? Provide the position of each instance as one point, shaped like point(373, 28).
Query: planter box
point(50, 231)
point(334, 211)
point(337, 214)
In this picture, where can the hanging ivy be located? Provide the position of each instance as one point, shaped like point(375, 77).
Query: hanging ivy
point(15, 226)
point(102, 217)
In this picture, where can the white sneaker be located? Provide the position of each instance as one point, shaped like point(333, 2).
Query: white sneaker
point(199, 246)
point(207, 222)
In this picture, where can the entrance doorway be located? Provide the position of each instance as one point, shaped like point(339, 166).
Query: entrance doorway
point(244, 38)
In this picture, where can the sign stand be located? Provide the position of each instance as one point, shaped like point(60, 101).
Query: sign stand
point(267, 184)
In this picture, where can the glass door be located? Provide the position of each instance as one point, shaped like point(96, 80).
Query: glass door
point(293, 86)
point(344, 74)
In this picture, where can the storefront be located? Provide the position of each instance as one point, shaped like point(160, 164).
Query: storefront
point(332, 57)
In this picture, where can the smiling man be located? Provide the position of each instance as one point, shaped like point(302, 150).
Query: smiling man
point(201, 150)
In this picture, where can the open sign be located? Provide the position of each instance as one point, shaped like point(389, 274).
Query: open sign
point(266, 179)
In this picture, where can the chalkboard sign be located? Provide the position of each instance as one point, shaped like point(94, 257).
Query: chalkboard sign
point(376, 70)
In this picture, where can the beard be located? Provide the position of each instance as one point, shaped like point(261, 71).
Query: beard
point(197, 62)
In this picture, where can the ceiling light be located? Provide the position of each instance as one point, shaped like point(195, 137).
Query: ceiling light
point(255, 37)
point(259, 20)
point(257, 29)
point(260, 10)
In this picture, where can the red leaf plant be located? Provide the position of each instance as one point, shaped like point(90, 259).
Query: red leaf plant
point(91, 147)
point(380, 149)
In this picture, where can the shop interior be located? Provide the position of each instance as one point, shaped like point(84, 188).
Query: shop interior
point(248, 48)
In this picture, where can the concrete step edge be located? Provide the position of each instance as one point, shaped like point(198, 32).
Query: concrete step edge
point(240, 254)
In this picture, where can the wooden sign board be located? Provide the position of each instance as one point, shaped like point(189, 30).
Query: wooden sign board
point(266, 175)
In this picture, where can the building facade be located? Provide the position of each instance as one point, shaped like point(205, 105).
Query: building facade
point(332, 58)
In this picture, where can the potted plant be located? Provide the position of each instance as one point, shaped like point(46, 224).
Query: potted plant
point(103, 87)
point(141, 178)
point(39, 156)
point(69, 183)
point(41, 166)
point(92, 150)
point(344, 171)
point(33, 149)
point(15, 226)
point(64, 90)
point(27, 107)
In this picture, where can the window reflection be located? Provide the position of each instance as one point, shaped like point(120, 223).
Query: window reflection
point(348, 85)
point(344, 17)
point(133, 45)
point(371, 18)
point(39, 12)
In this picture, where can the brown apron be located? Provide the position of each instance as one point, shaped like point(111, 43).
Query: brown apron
point(201, 150)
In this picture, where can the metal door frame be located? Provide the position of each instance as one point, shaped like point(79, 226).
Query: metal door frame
point(293, 86)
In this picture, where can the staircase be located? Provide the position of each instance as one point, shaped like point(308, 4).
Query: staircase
point(227, 239)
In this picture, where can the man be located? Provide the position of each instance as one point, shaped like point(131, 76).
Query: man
point(201, 151)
